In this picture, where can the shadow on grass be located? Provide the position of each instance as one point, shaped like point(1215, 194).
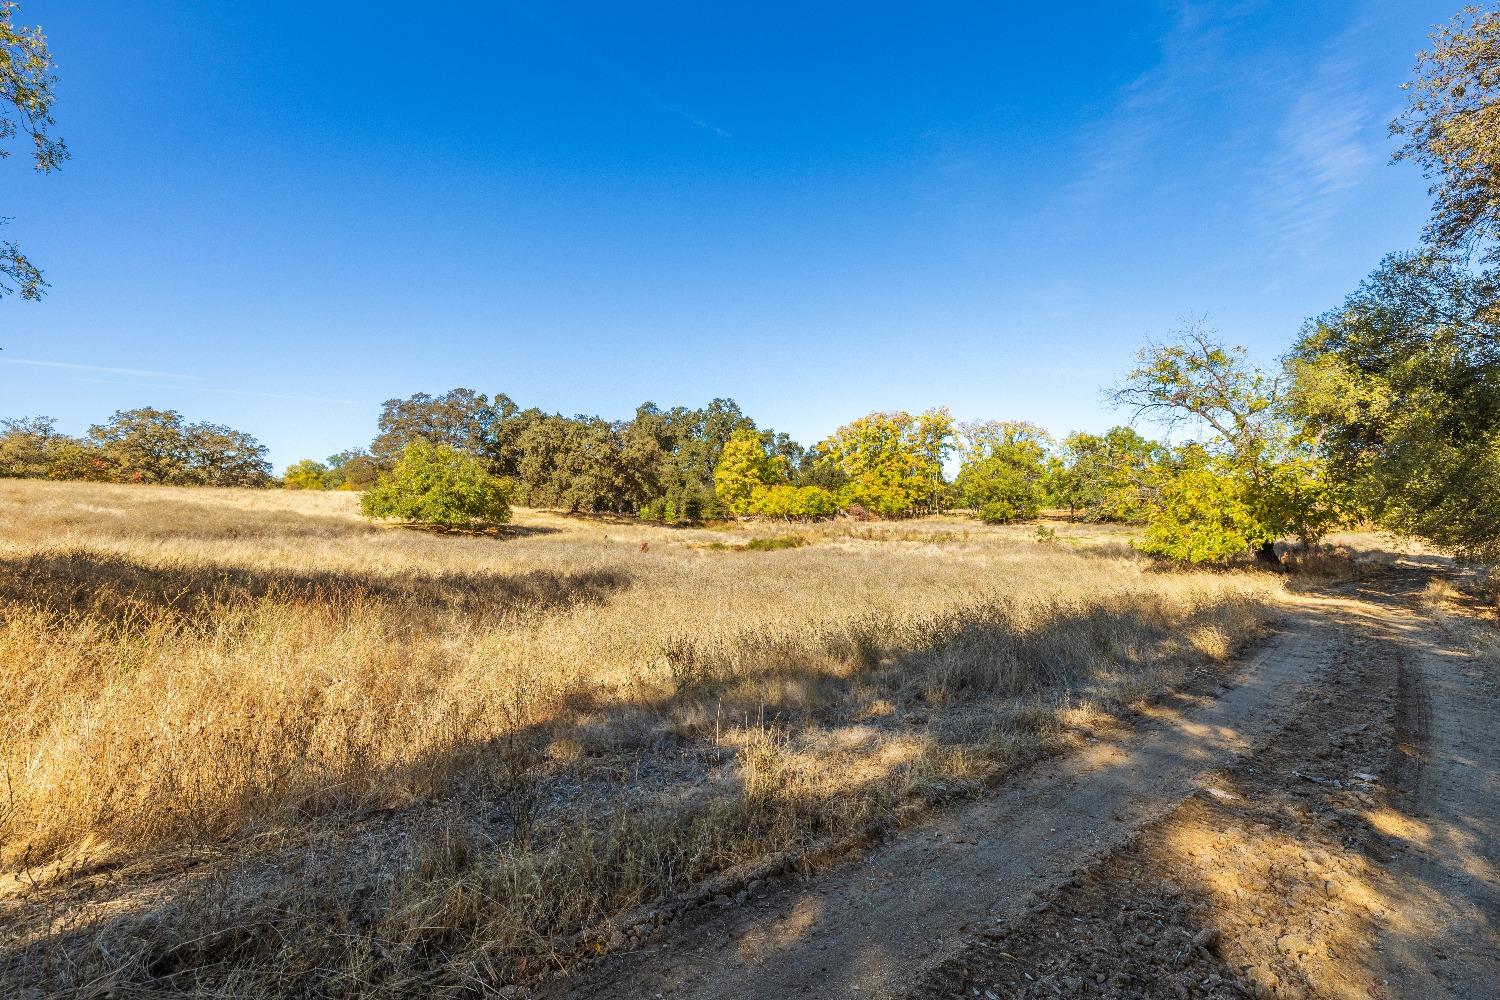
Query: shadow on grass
point(453, 898)
point(121, 590)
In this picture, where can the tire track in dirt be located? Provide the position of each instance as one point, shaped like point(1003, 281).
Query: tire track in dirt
point(1303, 875)
point(874, 926)
point(1443, 828)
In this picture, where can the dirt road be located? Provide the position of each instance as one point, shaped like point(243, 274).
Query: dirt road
point(1326, 826)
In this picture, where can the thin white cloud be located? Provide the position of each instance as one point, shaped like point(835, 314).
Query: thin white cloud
point(1196, 56)
point(226, 392)
point(1327, 144)
point(93, 368)
point(1332, 138)
point(588, 54)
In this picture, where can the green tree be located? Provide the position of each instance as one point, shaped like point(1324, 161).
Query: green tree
point(1004, 471)
point(306, 475)
point(438, 485)
point(462, 419)
point(1244, 421)
point(30, 447)
point(1206, 512)
point(222, 456)
point(574, 464)
point(1451, 128)
point(893, 461)
point(1399, 390)
point(26, 96)
point(147, 445)
point(353, 469)
point(1107, 477)
point(746, 467)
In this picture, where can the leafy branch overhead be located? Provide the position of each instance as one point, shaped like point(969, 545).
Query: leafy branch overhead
point(1451, 128)
point(26, 95)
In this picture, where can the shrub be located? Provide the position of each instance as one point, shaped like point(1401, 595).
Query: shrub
point(1204, 515)
point(999, 512)
point(794, 502)
point(306, 475)
point(436, 484)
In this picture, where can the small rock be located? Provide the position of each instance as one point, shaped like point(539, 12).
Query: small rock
point(1208, 938)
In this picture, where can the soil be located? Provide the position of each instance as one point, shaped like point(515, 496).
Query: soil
point(1328, 826)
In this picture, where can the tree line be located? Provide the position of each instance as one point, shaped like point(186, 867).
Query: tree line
point(1385, 409)
point(144, 445)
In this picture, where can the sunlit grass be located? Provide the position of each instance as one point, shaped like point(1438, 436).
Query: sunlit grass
point(559, 724)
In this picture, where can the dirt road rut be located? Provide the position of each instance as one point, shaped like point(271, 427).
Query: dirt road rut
point(912, 916)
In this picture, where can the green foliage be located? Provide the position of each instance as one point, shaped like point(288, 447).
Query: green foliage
point(793, 503)
point(893, 461)
point(1452, 129)
point(1268, 476)
point(135, 446)
point(761, 544)
point(1001, 512)
point(26, 95)
point(1107, 477)
point(306, 475)
point(746, 468)
point(774, 544)
point(1003, 475)
point(1004, 487)
point(1195, 380)
point(1205, 513)
point(354, 469)
point(438, 485)
point(1400, 390)
point(29, 447)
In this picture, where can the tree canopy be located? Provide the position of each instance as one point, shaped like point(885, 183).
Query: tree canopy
point(26, 96)
point(1451, 128)
point(1400, 388)
point(144, 445)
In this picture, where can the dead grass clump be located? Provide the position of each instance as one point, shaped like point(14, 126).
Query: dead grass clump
point(406, 762)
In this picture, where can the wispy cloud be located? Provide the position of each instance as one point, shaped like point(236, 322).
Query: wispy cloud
point(221, 391)
point(1331, 139)
point(1195, 58)
point(93, 368)
point(588, 54)
point(1325, 147)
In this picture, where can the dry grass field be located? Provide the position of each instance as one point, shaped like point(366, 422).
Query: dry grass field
point(254, 745)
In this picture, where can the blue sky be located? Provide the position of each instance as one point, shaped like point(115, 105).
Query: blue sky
point(279, 215)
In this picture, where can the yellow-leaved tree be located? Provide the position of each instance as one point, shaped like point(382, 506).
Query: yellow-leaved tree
point(894, 460)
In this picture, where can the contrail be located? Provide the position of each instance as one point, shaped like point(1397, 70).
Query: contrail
point(93, 368)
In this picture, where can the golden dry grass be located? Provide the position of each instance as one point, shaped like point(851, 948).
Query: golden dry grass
point(252, 744)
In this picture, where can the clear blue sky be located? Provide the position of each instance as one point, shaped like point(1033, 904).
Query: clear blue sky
point(280, 214)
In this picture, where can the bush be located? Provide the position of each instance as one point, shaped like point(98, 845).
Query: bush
point(1204, 515)
point(438, 485)
point(794, 502)
point(306, 475)
point(999, 512)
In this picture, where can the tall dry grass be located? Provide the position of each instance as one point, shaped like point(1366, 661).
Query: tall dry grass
point(467, 754)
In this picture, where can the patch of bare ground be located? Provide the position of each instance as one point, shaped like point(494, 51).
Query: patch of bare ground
point(1331, 863)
